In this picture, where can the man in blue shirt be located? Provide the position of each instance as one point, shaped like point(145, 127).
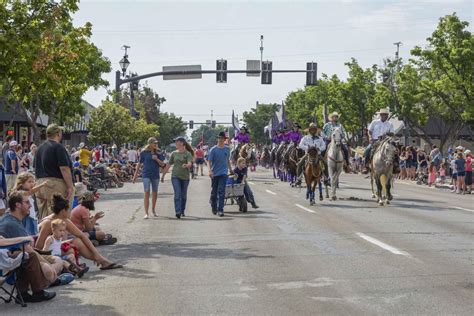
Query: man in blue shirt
point(219, 166)
point(11, 165)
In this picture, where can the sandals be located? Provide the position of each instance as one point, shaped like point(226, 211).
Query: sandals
point(109, 240)
point(112, 266)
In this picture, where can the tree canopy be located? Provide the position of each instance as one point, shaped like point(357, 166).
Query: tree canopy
point(257, 118)
point(46, 63)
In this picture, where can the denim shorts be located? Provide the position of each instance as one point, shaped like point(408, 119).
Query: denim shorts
point(147, 182)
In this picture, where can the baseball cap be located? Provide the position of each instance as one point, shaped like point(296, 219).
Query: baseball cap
point(180, 138)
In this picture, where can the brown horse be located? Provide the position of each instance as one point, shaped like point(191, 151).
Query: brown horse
point(247, 152)
point(313, 174)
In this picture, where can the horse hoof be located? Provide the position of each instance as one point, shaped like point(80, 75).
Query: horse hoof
point(388, 202)
point(334, 198)
point(390, 197)
point(373, 196)
point(381, 203)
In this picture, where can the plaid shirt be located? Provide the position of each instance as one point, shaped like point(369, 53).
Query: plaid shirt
point(327, 130)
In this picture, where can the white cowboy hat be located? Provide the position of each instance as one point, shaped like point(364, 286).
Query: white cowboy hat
point(459, 148)
point(81, 145)
point(467, 152)
point(80, 189)
point(334, 114)
point(383, 111)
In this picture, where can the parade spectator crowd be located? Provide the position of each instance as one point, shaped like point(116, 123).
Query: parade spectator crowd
point(48, 194)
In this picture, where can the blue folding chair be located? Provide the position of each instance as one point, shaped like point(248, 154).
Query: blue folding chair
point(9, 276)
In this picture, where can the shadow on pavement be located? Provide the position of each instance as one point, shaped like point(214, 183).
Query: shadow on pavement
point(136, 251)
point(117, 196)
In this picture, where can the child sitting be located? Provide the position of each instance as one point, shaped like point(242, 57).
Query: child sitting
point(240, 176)
point(54, 243)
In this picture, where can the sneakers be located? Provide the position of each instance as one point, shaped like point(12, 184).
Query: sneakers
point(254, 205)
point(63, 279)
point(214, 211)
point(38, 297)
point(178, 216)
point(221, 214)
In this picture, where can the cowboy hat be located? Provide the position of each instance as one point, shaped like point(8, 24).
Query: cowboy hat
point(383, 111)
point(244, 127)
point(459, 148)
point(222, 135)
point(81, 145)
point(334, 114)
point(312, 126)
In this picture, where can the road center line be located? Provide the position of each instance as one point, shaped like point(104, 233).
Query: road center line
point(383, 245)
point(271, 192)
point(463, 209)
point(305, 208)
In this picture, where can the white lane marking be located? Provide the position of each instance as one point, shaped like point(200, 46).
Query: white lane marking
point(271, 192)
point(463, 209)
point(383, 245)
point(250, 182)
point(305, 208)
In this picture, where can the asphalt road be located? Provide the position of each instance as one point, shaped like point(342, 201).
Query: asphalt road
point(347, 257)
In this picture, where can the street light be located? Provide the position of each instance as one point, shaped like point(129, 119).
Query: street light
point(124, 62)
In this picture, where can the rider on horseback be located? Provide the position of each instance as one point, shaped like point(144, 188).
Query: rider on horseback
point(378, 129)
point(311, 140)
point(294, 137)
point(327, 132)
point(243, 137)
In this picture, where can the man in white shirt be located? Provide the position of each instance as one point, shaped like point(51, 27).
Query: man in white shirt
point(311, 140)
point(377, 129)
point(132, 155)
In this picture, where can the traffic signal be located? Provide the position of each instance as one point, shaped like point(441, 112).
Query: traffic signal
point(191, 124)
point(266, 72)
point(213, 124)
point(134, 83)
point(221, 65)
point(311, 74)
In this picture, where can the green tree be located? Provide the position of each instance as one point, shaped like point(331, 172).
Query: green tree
point(257, 118)
point(208, 134)
point(46, 63)
point(142, 130)
point(111, 123)
point(170, 126)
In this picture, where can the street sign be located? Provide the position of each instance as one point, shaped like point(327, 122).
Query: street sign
point(253, 65)
point(180, 72)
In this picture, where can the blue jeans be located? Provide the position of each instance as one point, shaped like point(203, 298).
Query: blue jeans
point(249, 194)
point(180, 188)
point(153, 183)
point(218, 192)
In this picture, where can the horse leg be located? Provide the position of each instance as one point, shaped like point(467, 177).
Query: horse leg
point(333, 187)
point(383, 182)
point(320, 189)
point(389, 189)
point(372, 184)
point(326, 187)
point(379, 190)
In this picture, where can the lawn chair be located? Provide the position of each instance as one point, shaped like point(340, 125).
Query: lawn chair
point(8, 267)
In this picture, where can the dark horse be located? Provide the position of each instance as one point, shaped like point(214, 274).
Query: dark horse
point(313, 174)
point(265, 158)
point(292, 165)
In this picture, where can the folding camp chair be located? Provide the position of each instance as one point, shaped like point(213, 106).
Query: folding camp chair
point(8, 267)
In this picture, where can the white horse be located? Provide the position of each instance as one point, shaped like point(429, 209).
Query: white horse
point(381, 171)
point(335, 159)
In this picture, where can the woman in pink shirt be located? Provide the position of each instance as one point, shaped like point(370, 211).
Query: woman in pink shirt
point(84, 221)
point(468, 168)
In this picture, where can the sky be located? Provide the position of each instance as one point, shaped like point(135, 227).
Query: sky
point(331, 32)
